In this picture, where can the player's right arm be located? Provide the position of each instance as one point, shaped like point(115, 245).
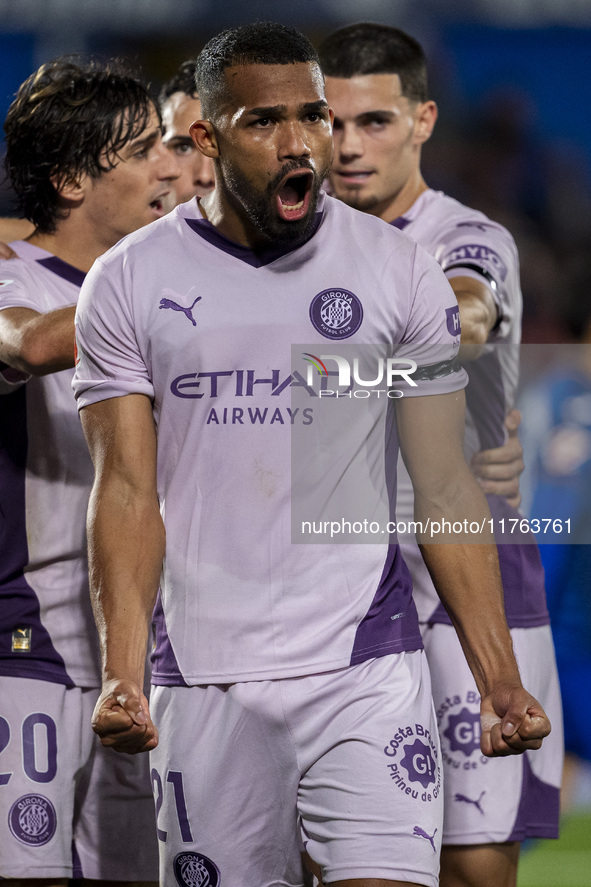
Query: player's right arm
point(36, 343)
point(126, 548)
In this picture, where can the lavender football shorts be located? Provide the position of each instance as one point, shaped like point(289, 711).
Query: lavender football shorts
point(494, 800)
point(344, 764)
point(68, 807)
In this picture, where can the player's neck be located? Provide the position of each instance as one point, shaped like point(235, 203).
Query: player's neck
point(72, 244)
point(217, 208)
point(398, 204)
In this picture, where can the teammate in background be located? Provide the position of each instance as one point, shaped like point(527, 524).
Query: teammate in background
point(86, 160)
point(376, 83)
point(186, 329)
point(180, 107)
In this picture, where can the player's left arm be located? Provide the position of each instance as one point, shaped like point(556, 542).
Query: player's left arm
point(497, 469)
point(465, 568)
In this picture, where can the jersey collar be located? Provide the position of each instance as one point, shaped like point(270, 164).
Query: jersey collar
point(255, 258)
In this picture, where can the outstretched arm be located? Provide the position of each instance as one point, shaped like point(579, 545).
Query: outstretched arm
point(465, 570)
point(497, 469)
point(126, 548)
point(35, 343)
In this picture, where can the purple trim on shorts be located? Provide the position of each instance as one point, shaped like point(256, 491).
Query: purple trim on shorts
point(539, 808)
point(391, 624)
point(63, 269)
point(19, 604)
point(256, 259)
point(77, 871)
point(165, 668)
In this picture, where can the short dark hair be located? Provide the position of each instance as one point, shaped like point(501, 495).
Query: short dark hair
point(369, 48)
point(260, 43)
point(182, 81)
point(69, 119)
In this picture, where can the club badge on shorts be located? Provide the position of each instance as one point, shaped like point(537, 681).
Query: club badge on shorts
point(195, 870)
point(33, 820)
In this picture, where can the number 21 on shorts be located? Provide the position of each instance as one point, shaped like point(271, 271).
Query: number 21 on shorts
point(174, 779)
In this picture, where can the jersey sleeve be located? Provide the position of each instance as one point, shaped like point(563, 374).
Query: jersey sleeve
point(108, 359)
point(485, 252)
point(16, 291)
point(432, 336)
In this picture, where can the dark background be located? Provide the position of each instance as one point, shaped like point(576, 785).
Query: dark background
point(511, 78)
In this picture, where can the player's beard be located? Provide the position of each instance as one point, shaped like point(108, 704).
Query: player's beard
point(260, 207)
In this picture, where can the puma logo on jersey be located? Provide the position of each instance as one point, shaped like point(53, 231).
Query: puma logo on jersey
point(21, 640)
point(188, 312)
point(467, 800)
point(419, 833)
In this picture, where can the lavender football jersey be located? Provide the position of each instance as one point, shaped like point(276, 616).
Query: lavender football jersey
point(205, 327)
point(46, 626)
point(468, 244)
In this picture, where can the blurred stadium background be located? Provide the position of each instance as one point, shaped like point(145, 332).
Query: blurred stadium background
point(512, 79)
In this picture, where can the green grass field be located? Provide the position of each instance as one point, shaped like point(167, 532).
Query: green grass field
point(562, 863)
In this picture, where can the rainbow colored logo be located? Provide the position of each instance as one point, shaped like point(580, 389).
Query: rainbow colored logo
point(316, 362)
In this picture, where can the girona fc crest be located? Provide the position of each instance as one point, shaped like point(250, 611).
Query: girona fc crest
point(195, 870)
point(32, 820)
point(336, 313)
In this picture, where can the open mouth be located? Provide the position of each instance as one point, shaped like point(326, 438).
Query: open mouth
point(158, 206)
point(293, 196)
